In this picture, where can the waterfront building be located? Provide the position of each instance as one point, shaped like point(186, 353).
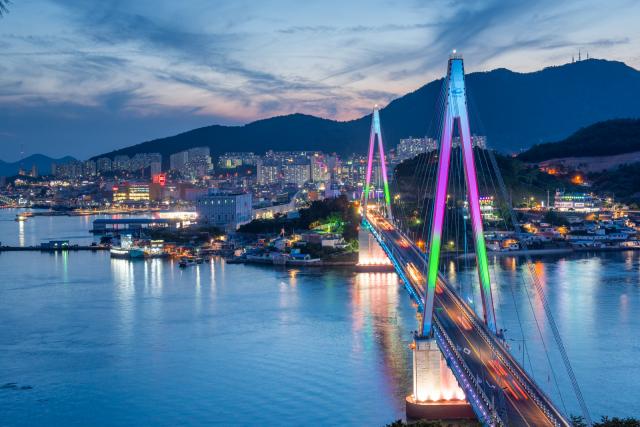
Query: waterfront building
point(578, 202)
point(131, 192)
point(226, 210)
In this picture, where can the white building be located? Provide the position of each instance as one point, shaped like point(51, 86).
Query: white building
point(298, 172)
point(578, 202)
point(194, 162)
point(268, 172)
point(411, 147)
point(226, 210)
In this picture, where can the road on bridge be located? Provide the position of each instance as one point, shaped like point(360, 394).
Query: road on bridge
point(518, 396)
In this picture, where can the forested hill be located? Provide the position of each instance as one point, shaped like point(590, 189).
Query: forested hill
point(606, 138)
point(514, 110)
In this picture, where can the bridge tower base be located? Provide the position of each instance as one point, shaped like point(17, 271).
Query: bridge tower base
point(371, 257)
point(436, 394)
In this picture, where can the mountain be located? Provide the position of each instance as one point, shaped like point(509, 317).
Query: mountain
point(514, 110)
point(608, 138)
point(42, 163)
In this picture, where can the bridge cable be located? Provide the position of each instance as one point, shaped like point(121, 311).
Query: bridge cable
point(541, 294)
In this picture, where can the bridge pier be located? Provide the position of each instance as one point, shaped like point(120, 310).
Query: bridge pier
point(371, 257)
point(436, 394)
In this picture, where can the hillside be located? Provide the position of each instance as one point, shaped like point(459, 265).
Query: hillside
point(42, 162)
point(608, 138)
point(515, 110)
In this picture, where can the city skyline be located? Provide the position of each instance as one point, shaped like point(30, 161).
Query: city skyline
point(118, 73)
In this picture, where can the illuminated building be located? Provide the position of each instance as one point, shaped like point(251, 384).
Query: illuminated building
point(297, 172)
point(103, 164)
point(193, 163)
point(268, 172)
point(234, 159)
point(227, 210)
point(131, 192)
point(121, 163)
point(578, 202)
point(411, 147)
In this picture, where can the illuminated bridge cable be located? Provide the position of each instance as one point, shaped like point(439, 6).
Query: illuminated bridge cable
point(492, 189)
point(547, 309)
point(539, 290)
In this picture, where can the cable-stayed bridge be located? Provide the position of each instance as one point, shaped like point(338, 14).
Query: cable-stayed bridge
point(462, 366)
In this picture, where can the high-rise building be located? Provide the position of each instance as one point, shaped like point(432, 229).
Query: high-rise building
point(121, 163)
point(411, 147)
point(103, 164)
point(268, 172)
point(89, 168)
point(234, 159)
point(178, 160)
point(194, 162)
point(319, 169)
point(297, 172)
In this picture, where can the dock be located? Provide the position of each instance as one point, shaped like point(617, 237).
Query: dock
point(71, 248)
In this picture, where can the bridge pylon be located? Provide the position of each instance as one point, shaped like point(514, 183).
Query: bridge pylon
point(376, 131)
point(432, 378)
point(455, 111)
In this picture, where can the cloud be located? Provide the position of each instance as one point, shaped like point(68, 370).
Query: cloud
point(242, 60)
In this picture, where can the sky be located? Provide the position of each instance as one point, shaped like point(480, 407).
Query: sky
point(82, 77)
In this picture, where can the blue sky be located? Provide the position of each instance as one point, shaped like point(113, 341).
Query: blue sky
point(82, 77)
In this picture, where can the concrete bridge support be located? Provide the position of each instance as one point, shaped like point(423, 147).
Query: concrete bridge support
point(436, 394)
point(371, 257)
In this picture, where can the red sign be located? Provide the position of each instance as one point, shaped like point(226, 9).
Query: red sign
point(160, 178)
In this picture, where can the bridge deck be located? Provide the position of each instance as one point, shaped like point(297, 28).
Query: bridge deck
point(495, 380)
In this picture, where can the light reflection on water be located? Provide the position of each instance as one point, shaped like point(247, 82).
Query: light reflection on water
point(113, 342)
point(590, 296)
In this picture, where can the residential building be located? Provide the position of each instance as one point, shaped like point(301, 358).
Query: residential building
point(235, 159)
point(103, 164)
point(268, 172)
point(411, 147)
point(121, 163)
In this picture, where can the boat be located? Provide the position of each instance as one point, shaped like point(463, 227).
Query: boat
point(199, 260)
point(21, 218)
point(127, 250)
point(126, 253)
point(187, 261)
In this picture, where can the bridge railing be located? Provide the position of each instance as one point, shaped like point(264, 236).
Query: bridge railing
point(538, 396)
point(486, 408)
point(479, 401)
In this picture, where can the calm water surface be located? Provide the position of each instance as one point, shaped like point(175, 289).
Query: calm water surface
point(87, 340)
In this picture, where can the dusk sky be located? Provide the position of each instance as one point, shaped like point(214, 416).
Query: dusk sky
point(81, 77)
